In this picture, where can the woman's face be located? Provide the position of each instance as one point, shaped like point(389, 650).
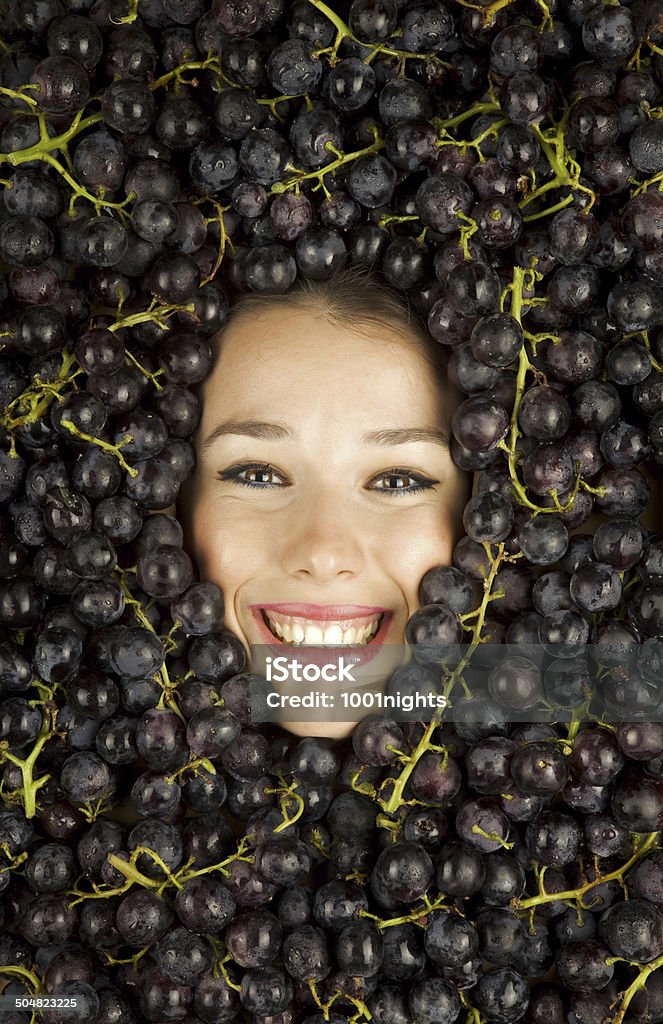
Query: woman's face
point(349, 504)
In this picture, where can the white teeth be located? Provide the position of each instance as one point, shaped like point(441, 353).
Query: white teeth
point(302, 631)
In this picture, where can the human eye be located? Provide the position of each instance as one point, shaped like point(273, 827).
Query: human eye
point(421, 483)
point(234, 474)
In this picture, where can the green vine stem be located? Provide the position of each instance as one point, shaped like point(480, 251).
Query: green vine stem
point(647, 843)
point(107, 447)
point(473, 1015)
point(549, 209)
point(220, 961)
point(192, 765)
point(395, 800)
point(134, 876)
point(37, 399)
point(30, 785)
point(287, 795)
point(494, 8)
point(92, 811)
point(14, 861)
point(130, 16)
point(635, 987)
point(322, 1006)
point(343, 32)
point(476, 110)
point(82, 193)
point(565, 168)
point(23, 972)
point(131, 872)
point(417, 916)
point(224, 238)
point(130, 358)
point(243, 844)
point(279, 187)
point(644, 335)
point(153, 314)
point(47, 143)
point(176, 74)
point(515, 290)
point(43, 150)
point(167, 686)
point(133, 960)
point(516, 293)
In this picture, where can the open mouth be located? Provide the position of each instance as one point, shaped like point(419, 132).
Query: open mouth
point(298, 632)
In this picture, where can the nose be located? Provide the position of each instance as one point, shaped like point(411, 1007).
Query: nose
point(322, 539)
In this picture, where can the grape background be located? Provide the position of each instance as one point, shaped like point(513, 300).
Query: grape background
point(162, 857)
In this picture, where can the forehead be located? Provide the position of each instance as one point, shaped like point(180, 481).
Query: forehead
point(300, 347)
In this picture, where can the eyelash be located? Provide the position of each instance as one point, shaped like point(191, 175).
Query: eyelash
point(233, 474)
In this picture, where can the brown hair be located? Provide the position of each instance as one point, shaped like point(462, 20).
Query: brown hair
point(360, 295)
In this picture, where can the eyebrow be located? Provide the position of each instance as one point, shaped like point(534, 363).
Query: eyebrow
point(280, 432)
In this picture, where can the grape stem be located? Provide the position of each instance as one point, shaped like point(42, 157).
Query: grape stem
point(647, 844)
point(323, 1006)
point(419, 917)
point(224, 238)
point(130, 16)
point(343, 31)
point(499, 5)
point(82, 193)
point(279, 187)
point(645, 337)
point(153, 314)
point(634, 987)
point(92, 811)
point(192, 765)
point(564, 167)
point(362, 1009)
point(473, 1015)
point(286, 794)
point(19, 95)
point(162, 675)
point(220, 961)
point(184, 875)
point(515, 289)
point(38, 398)
point(48, 142)
point(137, 875)
point(550, 209)
point(425, 743)
point(26, 765)
point(113, 448)
point(176, 73)
point(23, 972)
point(133, 960)
point(146, 373)
point(492, 836)
point(487, 107)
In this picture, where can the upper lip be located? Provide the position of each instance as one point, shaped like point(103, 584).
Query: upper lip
point(322, 612)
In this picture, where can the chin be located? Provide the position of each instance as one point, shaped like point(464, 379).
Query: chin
point(328, 730)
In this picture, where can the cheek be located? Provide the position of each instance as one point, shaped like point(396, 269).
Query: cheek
point(419, 544)
point(228, 548)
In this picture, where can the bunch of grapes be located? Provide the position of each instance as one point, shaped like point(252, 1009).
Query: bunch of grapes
point(164, 856)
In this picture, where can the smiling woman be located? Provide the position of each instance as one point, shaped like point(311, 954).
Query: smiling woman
point(324, 488)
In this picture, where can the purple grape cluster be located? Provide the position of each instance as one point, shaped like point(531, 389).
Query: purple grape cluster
point(163, 856)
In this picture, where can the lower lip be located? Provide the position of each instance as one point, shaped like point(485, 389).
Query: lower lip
point(312, 654)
